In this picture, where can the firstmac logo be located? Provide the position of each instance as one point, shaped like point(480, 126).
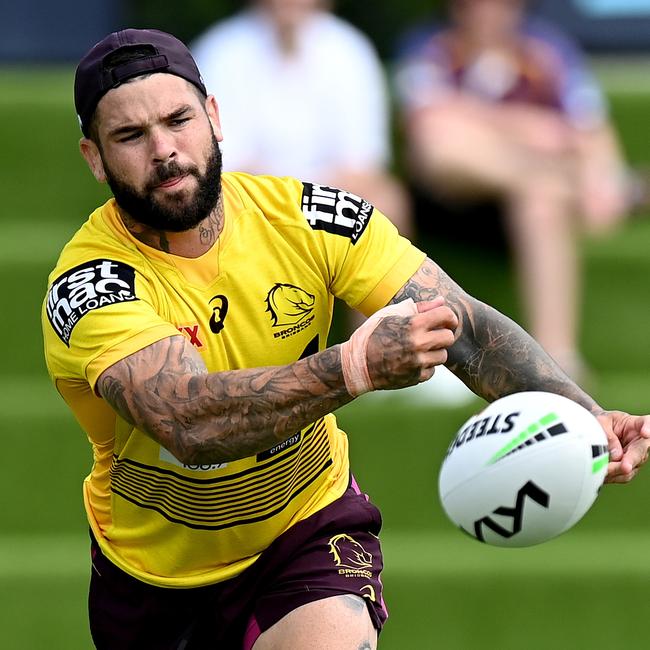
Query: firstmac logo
point(335, 211)
point(87, 287)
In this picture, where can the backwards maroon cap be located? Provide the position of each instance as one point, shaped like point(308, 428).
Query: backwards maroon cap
point(163, 53)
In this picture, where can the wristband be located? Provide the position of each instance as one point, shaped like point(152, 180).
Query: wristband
point(354, 352)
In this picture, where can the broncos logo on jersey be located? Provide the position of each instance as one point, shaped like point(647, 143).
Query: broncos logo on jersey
point(288, 304)
point(349, 553)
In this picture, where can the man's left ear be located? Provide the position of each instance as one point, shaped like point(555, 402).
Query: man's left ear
point(90, 152)
point(212, 109)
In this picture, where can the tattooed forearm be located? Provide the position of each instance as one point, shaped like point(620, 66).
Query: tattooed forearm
point(166, 391)
point(389, 350)
point(492, 354)
point(497, 357)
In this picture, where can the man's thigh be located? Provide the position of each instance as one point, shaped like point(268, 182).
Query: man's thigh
point(335, 623)
point(323, 573)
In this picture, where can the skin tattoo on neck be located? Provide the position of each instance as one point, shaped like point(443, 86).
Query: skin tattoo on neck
point(145, 234)
point(209, 230)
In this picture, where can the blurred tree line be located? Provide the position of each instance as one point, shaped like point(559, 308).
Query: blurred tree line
point(383, 20)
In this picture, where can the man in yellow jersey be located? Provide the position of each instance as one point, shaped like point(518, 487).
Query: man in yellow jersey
point(185, 325)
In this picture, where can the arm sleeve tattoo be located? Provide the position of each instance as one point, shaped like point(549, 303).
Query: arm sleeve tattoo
point(491, 354)
point(166, 391)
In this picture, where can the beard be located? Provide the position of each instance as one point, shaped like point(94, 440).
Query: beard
point(180, 211)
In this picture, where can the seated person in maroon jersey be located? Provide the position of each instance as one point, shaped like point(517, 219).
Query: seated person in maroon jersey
point(501, 107)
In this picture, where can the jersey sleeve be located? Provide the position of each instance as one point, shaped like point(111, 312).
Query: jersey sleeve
point(368, 259)
point(96, 314)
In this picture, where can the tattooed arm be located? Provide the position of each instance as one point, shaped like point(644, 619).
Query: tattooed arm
point(202, 418)
point(496, 357)
point(166, 391)
point(491, 353)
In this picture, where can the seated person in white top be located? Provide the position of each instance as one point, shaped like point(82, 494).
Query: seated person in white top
point(303, 93)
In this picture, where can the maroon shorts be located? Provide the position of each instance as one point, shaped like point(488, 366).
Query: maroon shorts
point(333, 552)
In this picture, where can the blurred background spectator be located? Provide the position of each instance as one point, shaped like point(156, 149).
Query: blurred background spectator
point(303, 93)
point(396, 448)
point(501, 109)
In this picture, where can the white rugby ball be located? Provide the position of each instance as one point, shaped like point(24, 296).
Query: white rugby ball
point(525, 469)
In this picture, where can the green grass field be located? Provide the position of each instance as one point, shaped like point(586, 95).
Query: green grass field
point(587, 589)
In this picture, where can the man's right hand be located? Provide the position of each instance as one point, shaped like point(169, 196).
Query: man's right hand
point(398, 346)
point(404, 350)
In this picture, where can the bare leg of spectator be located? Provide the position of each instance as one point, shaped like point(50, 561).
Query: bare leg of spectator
point(545, 250)
point(462, 156)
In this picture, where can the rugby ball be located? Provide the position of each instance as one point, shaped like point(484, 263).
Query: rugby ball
point(524, 470)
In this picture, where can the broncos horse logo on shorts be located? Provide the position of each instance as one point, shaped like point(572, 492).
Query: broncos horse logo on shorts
point(288, 304)
point(349, 553)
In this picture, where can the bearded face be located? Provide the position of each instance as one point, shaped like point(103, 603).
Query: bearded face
point(172, 211)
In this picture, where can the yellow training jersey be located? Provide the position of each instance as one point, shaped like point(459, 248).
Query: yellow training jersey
point(261, 296)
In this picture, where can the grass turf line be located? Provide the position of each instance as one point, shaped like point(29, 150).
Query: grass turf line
point(407, 554)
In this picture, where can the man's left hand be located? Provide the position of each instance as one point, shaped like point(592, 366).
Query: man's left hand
point(629, 442)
